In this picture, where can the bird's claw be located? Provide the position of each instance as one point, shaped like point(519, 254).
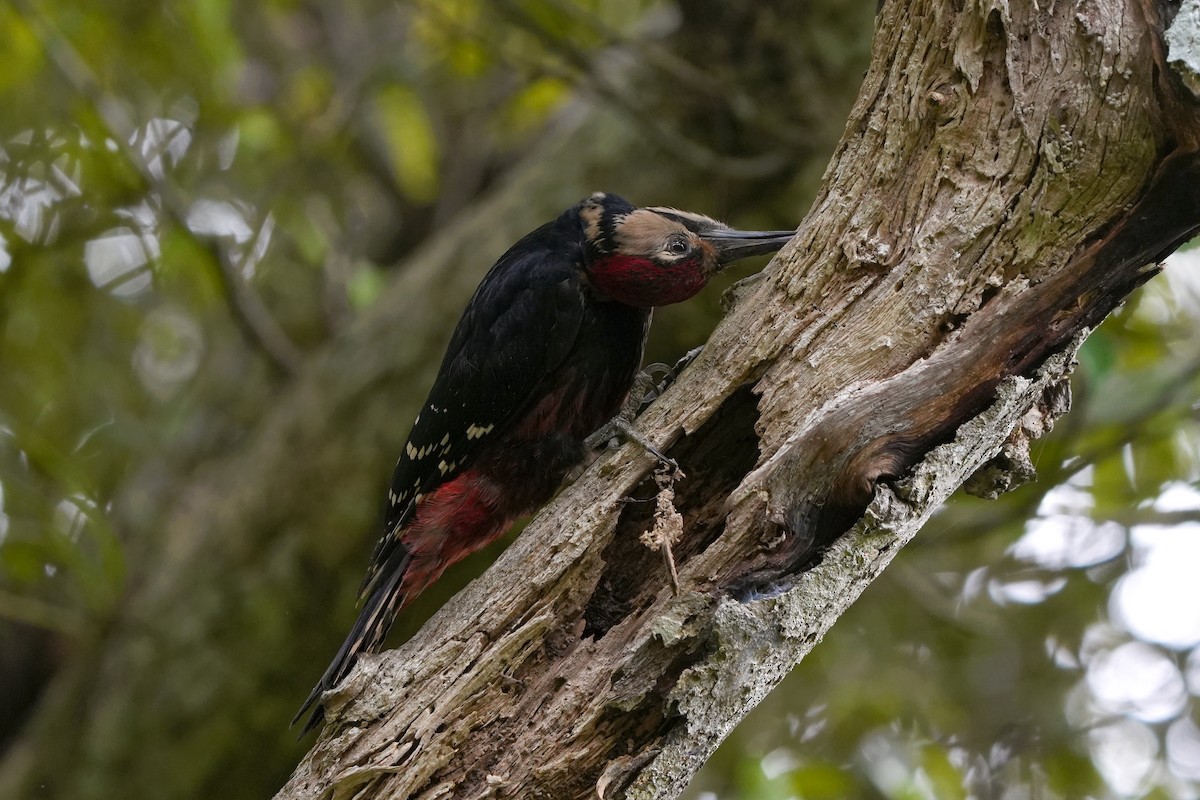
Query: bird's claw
point(656, 378)
point(686, 359)
point(651, 385)
point(620, 428)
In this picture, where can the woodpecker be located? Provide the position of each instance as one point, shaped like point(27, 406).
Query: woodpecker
point(544, 354)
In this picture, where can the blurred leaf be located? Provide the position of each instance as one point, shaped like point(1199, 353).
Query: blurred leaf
point(945, 779)
point(23, 57)
point(186, 265)
point(1097, 356)
point(753, 782)
point(308, 92)
point(259, 132)
point(216, 35)
point(820, 781)
point(533, 105)
point(365, 285)
point(444, 26)
point(23, 562)
point(411, 143)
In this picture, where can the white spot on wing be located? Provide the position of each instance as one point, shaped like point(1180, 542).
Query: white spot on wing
point(477, 431)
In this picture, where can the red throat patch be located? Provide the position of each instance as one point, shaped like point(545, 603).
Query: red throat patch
point(643, 283)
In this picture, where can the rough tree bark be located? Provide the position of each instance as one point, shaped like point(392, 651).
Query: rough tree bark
point(1007, 174)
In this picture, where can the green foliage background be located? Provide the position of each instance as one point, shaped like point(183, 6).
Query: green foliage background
point(201, 200)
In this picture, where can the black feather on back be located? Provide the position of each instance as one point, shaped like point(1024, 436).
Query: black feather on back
point(518, 327)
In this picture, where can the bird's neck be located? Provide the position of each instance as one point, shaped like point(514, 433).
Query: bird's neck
point(641, 282)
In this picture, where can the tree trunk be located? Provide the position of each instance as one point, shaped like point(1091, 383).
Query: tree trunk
point(1007, 174)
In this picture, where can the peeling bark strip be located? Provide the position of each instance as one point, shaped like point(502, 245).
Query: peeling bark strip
point(1007, 174)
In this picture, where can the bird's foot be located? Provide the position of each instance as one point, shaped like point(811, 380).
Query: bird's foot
point(655, 379)
point(647, 387)
point(686, 359)
point(620, 429)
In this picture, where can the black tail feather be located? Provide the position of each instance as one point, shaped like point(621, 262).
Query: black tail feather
point(367, 636)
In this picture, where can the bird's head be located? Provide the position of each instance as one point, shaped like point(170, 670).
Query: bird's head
point(658, 256)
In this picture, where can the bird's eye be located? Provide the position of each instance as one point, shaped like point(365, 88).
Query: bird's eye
point(677, 246)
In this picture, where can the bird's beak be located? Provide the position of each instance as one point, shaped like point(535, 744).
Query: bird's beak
point(732, 245)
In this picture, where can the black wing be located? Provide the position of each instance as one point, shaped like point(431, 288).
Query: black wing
point(518, 328)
